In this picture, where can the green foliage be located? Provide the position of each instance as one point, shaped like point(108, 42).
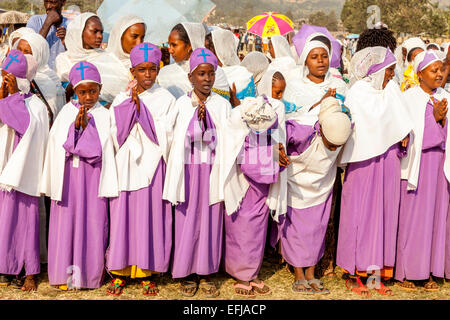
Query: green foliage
point(407, 16)
point(320, 18)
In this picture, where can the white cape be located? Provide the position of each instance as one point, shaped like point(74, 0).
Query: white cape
point(55, 160)
point(21, 170)
point(417, 101)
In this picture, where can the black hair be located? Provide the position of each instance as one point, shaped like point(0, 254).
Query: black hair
point(182, 33)
point(377, 38)
point(433, 45)
point(324, 40)
point(409, 56)
point(278, 76)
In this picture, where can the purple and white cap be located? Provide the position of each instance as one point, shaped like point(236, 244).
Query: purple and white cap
point(424, 59)
point(16, 64)
point(201, 56)
point(145, 52)
point(83, 72)
point(389, 60)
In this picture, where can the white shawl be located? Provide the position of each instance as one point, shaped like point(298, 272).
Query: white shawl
point(21, 170)
point(55, 160)
point(174, 186)
point(417, 100)
point(380, 120)
point(138, 157)
point(236, 185)
point(174, 78)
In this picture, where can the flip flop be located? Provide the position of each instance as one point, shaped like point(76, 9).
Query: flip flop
point(116, 283)
point(319, 284)
point(248, 289)
point(383, 290)
point(209, 289)
point(259, 288)
point(359, 289)
point(147, 285)
point(304, 283)
point(188, 285)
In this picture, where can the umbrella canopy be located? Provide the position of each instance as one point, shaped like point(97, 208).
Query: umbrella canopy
point(308, 32)
point(269, 24)
point(14, 17)
point(160, 16)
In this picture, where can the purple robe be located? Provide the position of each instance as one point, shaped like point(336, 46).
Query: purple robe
point(198, 226)
point(302, 231)
point(78, 230)
point(141, 221)
point(423, 212)
point(369, 212)
point(246, 229)
point(19, 212)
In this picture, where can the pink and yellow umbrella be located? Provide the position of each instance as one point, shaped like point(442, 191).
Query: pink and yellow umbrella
point(269, 24)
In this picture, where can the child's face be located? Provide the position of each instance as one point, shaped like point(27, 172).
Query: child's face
point(24, 46)
point(318, 62)
point(145, 74)
point(202, 78)
point(92, 34)
point(133, 36)
point(388, 75)
point(278, 87)
point(88, 94)
point(179, 50)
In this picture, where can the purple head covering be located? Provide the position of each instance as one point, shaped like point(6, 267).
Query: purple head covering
point(82, 72)
point(424, 59)
point(16, 64)
point(308, 32)
point(388, 61)
point(145, 52)
point(200, 56)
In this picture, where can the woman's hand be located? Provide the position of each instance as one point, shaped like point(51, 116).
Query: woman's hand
point(11, 83)
point(82, 118)
point(440, 109)
point(330, 93)
point(283, 159)
point(233, 97)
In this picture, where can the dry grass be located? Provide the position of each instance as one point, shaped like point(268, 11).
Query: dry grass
point(276, 276)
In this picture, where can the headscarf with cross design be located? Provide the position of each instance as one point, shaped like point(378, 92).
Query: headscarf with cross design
point(145, 52)
point(83, 72)
point(201, 56)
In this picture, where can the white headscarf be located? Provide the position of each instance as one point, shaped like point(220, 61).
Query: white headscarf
point(363, 60)
point(225, 46)
point(257, 63)
point(305, 93)
point(196, 33)
point(412, 43)
point(281, 47)
point(74, 40)
point(115, 37)
point(18, 34)
point(283, 60)
point(258, 113)
point(336, 125)
point(265, 85)
point(46, 79)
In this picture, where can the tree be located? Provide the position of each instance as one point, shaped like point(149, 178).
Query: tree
point(354, 14)
point(320, 18)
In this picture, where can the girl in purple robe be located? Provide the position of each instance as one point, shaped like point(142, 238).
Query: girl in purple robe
point(193, 180)
point(257, 157)
point(23, 135)
point(313, 151)
point(371, 187)
point(140, 240)
point(79, 176)
point(424, 195)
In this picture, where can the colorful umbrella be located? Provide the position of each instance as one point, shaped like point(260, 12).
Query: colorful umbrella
point(269, 24)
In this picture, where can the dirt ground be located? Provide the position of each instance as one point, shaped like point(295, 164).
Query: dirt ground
point(277, 276)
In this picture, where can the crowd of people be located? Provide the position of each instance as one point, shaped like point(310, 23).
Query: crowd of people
point(125, 163)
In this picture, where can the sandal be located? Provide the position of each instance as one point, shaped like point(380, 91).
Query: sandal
point(209, 289)
point(359, 289)
point(307, 288)
point(243, 290)
point(319, 284)
point(4, 280)
point(16, 283)
point(149, 288)
point(116, 287)
point(406, 285)
point(431, 286)
point(385, 291)
point(29, 284)
point(260, 288)
point(188, 288)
